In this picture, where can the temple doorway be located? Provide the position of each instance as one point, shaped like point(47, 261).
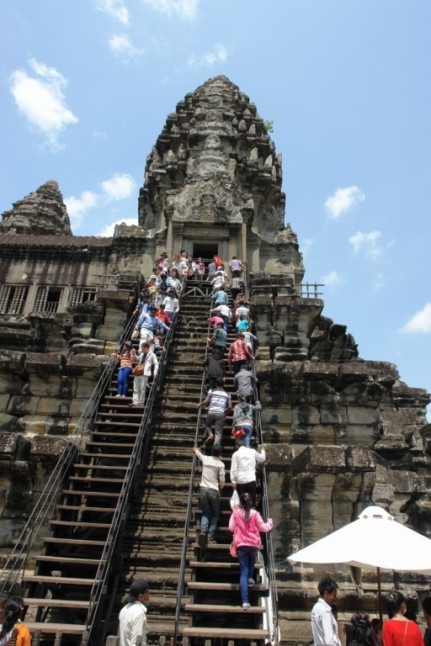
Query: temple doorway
point(205, 250)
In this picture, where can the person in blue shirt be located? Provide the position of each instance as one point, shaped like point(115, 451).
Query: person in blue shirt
point(147, 323)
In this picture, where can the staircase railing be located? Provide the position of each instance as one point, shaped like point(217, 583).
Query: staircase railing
point(45, 504)
point(188, 520)
point(272, 603)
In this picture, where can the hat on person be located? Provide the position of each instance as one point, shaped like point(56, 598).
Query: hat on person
point(139, 587)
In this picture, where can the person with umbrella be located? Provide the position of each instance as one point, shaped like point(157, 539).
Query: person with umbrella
point(398, 630)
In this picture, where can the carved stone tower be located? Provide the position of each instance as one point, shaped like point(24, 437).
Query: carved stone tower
point(213, 183)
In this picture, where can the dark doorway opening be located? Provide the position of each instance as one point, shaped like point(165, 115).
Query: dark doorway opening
point(205, 250)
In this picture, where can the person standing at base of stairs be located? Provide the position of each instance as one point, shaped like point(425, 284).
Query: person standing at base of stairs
point(133, 616)
point(323, 624)
point(219, 405)
point(246, 523)
point(212, 482)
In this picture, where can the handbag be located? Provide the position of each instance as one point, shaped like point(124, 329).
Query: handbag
point(138, 370)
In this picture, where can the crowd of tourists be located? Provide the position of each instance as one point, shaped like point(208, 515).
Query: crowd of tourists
point(400, 629)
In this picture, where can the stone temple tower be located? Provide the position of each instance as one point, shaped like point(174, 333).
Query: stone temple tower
point(213, 183)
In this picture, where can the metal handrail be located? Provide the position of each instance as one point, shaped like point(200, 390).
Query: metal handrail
point(116, 526)
point(182, 570)
point(47, 499)
point(270, 565)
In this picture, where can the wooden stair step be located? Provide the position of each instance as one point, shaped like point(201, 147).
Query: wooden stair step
point(107, 435)
point(121, 424)
point(225, 633)
point(214, 565)
point(78, 523)
point(56, 580)
point(108, 456)
point(66, 560)
point(55, 603)
point(65, 629)
point(73, 541)
point(101, 467)
point(211, 585)
point(196, 607)
point(84, 492)
point(88, 479)
point(114, 445)
point(85, 509)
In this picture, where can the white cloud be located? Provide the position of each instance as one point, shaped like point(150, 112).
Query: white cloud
point(368, 243)
point(108, 230)
point(333, 278)
point(119, 187)
point(419, 322)
point(122, 46)
point(183, 8)
point(116, 9)
point(343, 200)
point(217, 55)
point(41, 101)
point(78, 206)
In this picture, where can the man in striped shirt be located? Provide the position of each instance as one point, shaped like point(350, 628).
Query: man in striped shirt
point(219, 405)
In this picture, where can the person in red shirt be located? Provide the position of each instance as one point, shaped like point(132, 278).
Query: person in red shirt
point(162, 315)
point(398, 630)
point(238, 353)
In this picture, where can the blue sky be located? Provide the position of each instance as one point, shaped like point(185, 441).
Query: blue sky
point(85, 88)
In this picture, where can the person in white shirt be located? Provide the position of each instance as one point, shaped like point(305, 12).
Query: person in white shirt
point(243, 468)
point(133, 616)
point(323, 622)
point(212, 481)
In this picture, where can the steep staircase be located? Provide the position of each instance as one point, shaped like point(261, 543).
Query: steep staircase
point(130, 509)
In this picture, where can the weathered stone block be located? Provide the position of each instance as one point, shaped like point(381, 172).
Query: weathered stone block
point(332, 414)
point(383, 494)
point(7, 422)
point(323, 434)
point(49, 406)
point(85, 388)
point(23, 405)
point(362, 415)
point(77, 407)
point(31, 424)
point(320, 459)
point(44, 447)
point(8, 445)
point(307, 415)
point(11, 383)
point(352, 434)
point(52, 386)
point(359, 458)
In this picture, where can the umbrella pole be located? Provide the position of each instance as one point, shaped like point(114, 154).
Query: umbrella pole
point(379, 595)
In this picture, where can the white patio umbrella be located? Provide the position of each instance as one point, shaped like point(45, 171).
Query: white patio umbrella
point(374, 540)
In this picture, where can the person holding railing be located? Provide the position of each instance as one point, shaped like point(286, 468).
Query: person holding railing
point(147, 324)
point(243, 418)
point(212, 482)
point(219, 406)
point(127, 359)
point(246, 524)
point(238, 354)
point(150, 367)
